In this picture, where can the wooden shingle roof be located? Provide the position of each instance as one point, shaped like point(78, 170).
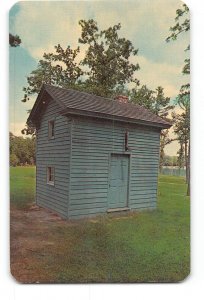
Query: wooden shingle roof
point(75, 102)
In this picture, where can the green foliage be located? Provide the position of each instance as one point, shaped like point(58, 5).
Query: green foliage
point(170, 160)
point(59, 68)
point(107, 58)
point(164, 141)
point(148, 246)
point(182, 25)
point(159, 105)
point(104, 70)
point(14, 161)
point(22, 150)
point(152, 100)
point(14, 40)
point(28, 130)
point(182, 128)
point(142, 96)
point(182, 121)
point(181, 155)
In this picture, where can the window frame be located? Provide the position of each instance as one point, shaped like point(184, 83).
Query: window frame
point(51, 129)
point(50, 175)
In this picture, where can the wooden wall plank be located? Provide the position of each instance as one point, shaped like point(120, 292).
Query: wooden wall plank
point(92, 143)
point(53, 152)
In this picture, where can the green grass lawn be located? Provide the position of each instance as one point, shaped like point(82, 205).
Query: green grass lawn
point(22, 187)
point(149, 246)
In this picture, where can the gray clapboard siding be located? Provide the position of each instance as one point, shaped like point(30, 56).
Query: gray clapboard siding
point(53, 152)
point(92, 143)
point(94, 171)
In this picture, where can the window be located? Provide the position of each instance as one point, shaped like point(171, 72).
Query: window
point(51, 175)
point(51, 129)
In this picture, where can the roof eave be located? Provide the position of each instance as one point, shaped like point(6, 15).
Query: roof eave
point(78, 112)
point(43, 90)
point(31, 117)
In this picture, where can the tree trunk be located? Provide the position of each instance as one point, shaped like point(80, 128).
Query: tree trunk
point(186, 158)
point(161, 161)
point(188, 175)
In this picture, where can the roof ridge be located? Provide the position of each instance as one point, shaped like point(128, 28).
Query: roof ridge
point(101, 97)
point(82, 92)
point(92, 104)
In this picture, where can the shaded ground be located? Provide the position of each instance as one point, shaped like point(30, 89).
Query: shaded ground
point(135, 247)
point(31, 242)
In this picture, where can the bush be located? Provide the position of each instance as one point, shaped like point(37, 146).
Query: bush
point(13, 160)
point(22, 150)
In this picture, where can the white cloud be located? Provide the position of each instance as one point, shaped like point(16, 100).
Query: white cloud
point(38, 52)
point(16, 127)
point(159, 74)
point(172, 149)
point(45, 24)
point(41, 25)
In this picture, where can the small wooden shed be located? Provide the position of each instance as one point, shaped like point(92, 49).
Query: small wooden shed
point(94, 155)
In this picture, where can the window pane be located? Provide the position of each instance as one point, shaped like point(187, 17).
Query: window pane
point(51, 129)
point(50, 174)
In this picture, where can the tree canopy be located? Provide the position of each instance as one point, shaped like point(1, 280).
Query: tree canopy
point(104, 67)
point(59, 68)
point(154, 100)
point(182, 120)
point(14, 40)
point(107, 58)
point(22, 150)
point(182, 25)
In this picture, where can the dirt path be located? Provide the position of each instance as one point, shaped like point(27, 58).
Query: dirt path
point(30, 241)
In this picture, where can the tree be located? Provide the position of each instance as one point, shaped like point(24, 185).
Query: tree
point(142, 96)
point(14, 40)
point(107, 58)
point(22, 150)
point(159, 105)
point(170, 160)
point(183, 127)
point(152, 100)
point(182, 130)
point(181, 159)
point(182, 25)
point(14, 160)
point(164, 141)
point(59, 68)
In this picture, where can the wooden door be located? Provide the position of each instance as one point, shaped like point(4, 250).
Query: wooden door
point(118, 181)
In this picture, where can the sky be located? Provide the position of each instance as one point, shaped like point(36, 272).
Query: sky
point(41, 25)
